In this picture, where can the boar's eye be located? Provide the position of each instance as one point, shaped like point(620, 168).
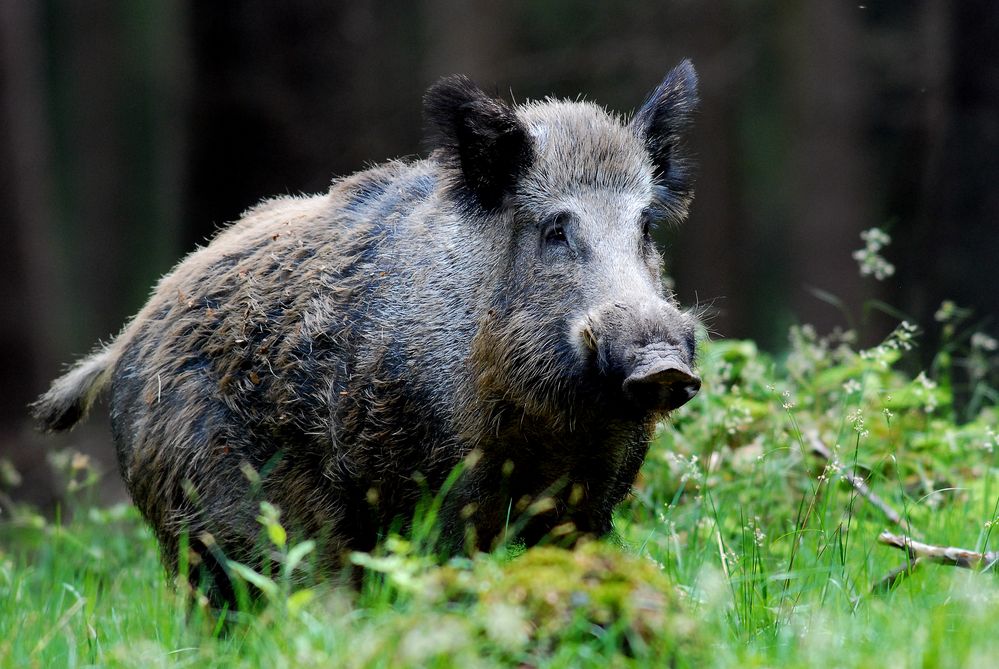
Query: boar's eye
point(554, 229)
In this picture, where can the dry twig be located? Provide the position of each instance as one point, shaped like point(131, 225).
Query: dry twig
point(891, 579)
point(957, 557)
point(917, 552)
point(820, 449)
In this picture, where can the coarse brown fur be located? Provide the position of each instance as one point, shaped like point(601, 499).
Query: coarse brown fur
point(339, 355)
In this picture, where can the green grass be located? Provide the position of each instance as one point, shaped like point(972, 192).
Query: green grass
point(738, 548)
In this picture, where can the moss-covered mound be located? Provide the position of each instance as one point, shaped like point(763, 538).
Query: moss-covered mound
point(550, 600)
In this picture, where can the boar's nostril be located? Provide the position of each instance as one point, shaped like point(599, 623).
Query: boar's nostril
point(664, 385)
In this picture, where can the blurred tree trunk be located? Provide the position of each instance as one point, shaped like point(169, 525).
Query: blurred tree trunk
point(91, 101)
point(828, 172)
point(383, 48)
point(289, 95)
point(120, 85)
point(32, 330)
point(913, 194)
point(961, 229)
point(712, 266)
point(471, 37)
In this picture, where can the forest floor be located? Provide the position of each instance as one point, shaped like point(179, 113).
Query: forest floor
point(753, 538)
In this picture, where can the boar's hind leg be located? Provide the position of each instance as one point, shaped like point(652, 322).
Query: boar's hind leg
point(183, 467)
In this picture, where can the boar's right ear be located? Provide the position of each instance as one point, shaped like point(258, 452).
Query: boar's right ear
point(477, 135)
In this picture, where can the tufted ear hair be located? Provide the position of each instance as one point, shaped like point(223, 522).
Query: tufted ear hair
point(477, 135)
point(661, 122)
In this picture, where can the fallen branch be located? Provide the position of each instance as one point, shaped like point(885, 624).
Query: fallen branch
point(820, 449)
point(957, 557)
point(891, 579)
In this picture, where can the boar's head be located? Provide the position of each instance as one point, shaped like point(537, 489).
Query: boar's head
point(561, 199)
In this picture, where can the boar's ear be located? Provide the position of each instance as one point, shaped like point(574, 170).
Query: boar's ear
point(661, 122)
point(478, 135)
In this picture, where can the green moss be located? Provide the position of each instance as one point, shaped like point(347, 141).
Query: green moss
point(551, 597)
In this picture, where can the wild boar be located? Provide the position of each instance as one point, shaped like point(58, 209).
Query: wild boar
point(498, 305)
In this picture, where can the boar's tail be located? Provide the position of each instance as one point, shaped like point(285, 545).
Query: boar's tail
point(71, 395)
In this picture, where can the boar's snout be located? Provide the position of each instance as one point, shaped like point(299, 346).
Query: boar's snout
point(642, 349)
point(660, 378)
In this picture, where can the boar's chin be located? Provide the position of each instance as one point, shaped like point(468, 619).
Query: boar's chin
point(534, 371)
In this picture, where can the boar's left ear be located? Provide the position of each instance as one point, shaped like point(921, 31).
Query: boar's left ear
point(479, 135)
point(661, 122)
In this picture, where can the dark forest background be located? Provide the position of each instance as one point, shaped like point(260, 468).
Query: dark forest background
point(130, 130)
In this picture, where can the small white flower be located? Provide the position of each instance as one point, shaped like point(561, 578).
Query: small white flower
point(983, 342)
point(946, 312)
point(869, 258)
